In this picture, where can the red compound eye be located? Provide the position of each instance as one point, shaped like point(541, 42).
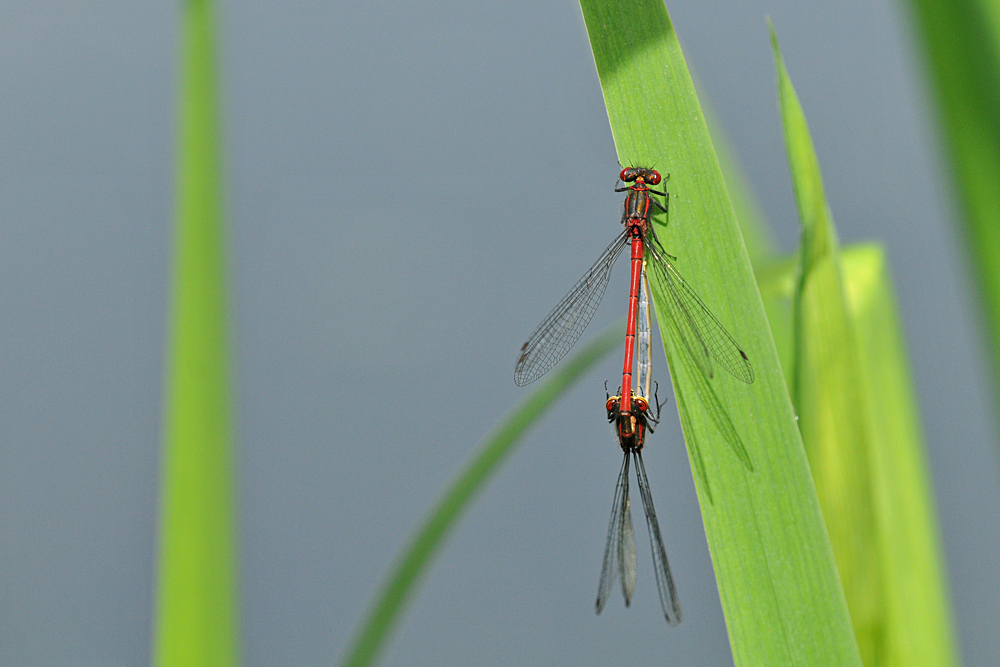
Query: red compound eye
point(629, 174)
point(653, 178)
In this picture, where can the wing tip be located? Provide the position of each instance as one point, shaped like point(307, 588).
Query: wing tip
point(522, 379)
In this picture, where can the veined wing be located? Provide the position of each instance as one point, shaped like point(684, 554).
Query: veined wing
point(565, 324)
point(612, 548)
point(664, 581)
point(626, 549)
point(695, 320)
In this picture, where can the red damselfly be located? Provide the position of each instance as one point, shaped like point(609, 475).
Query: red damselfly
point(620, 545)
point(701, 333)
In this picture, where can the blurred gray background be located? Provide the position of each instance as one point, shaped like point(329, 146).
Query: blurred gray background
point(373, 345)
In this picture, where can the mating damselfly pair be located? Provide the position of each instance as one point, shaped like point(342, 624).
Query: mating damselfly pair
point(701, 334)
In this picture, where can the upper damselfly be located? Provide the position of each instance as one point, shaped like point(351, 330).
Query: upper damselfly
point(701, 333)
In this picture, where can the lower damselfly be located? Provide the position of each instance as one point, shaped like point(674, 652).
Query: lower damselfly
point(631, 429)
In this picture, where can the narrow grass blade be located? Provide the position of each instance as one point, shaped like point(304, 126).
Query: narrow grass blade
point(961, 42)
point(917, 628)
point(401, 584)
point(827, 384)
point(757, 234)
point(776, 280)
point(775, 274)
point(196, 618)
point(773, 562)
point(851, 390)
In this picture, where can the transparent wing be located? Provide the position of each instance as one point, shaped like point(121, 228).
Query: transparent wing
point(611, 548)
point(626, 550)
point(703, 335)
point(565, 324)
point(643, 328)
point(664, 582)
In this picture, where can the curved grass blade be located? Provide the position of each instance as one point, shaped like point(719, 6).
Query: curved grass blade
point(827, 384)
point(859, 427)
point(775, 570)
point(401, 584)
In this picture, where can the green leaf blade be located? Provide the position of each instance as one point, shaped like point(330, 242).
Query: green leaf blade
point(961, 41)
point(401, 584)
point(860, 428)
point(196, 618)
point(777, 579)
point(917, 625)
point(827, 385)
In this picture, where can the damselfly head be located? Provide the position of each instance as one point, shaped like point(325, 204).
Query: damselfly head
point(641, 174)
